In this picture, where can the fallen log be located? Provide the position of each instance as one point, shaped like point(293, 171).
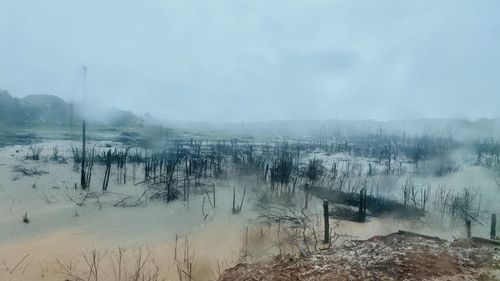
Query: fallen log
point(486, 241)
point(409, 233)
point(376, 206)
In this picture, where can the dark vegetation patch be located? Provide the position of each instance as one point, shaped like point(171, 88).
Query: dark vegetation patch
point(14, 137)
point(25, 171)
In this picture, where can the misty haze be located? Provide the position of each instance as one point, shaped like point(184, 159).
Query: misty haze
point(249, 140)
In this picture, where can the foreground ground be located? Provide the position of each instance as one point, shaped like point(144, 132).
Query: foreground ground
point(398, 256)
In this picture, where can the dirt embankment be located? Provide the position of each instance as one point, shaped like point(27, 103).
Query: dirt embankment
point(398, 256)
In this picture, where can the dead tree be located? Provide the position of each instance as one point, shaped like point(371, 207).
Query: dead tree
point(87, 170)
point(108, 170)
point(237, 209)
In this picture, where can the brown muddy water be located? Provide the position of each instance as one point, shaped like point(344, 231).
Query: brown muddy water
point(64, 241)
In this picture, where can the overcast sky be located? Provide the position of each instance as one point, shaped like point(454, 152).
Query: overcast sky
point(259, 60)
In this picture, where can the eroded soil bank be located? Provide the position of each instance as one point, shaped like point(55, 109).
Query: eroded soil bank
point(397, 256)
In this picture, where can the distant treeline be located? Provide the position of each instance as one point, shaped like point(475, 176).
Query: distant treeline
point(35, 110)
point(459, 129)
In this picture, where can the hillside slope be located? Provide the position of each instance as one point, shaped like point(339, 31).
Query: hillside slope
point(51, 110)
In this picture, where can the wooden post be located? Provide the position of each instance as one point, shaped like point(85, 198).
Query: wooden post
point(213, 189)
point(234, 199)
point(246, 242)
point(326, 239)
point(362, 205)
point(360, 209)
point(306, 204)
point(468, 224)
point(279, 228)
point(365, 202)
point(493, 232)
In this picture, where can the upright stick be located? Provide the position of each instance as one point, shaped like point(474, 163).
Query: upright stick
point(82, 179)
point(326, 239)
point(468, 224)
point(493, 232)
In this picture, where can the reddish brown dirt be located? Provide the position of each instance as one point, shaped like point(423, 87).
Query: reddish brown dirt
point(398, 256)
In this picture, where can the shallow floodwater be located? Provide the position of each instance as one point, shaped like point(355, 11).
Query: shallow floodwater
point(60, 230)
